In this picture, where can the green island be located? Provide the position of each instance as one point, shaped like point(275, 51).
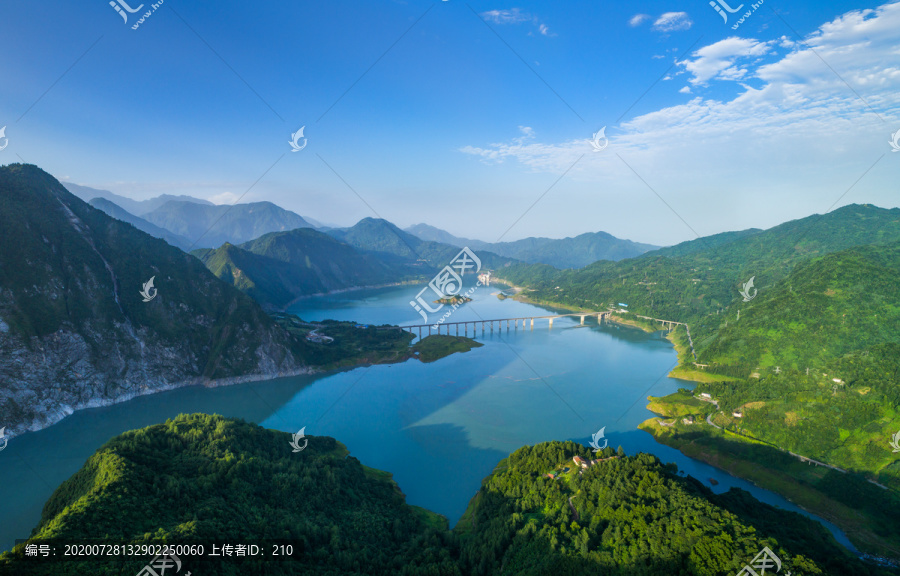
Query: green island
point(803, 366)
point(331, 344)
point(454, 299)
point(198, 477)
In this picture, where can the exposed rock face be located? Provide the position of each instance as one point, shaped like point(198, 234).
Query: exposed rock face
point(75, 331)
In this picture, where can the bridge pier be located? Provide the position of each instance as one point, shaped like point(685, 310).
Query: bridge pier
point(457, 329)
point(582, 320)
point(532, 323)
point(551, 322)
point(420, 332)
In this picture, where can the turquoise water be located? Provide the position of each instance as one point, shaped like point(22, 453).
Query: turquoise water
point(440, 428)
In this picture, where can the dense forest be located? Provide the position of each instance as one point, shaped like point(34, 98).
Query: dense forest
point(205, 479)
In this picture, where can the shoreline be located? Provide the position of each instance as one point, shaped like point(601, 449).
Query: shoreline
point(67, 410)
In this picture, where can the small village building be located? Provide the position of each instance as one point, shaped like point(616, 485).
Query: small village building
point(705, 396)
point(737, 414)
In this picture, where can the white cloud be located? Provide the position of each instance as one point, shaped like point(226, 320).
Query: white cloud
point(790, 143)
point(511, 16)
point(638, 19)
point(224, 198)
point(516, 16)
point(718, 60)
point(673, 21)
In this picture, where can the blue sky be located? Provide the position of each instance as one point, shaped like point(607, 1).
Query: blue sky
point(463, 115)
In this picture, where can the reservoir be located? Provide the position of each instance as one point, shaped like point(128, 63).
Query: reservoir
point(439, 428)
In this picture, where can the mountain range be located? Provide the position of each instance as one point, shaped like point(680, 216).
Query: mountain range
point(119, 213)
point(75, 330)
point(574, 252)
point(135, 207)
point(205, 225)
point(280, 267)
point(210, 226)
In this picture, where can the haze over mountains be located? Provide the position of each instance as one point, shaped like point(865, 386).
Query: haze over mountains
point(136, 207)
point(574, 252)
point(202, 224)
point(277, 268)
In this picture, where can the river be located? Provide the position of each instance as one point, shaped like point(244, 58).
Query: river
point(440, 428)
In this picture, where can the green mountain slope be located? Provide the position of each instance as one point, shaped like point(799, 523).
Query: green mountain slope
point(702, 278)
point(120, 213)
point(206, 479)
point(380, 236)
point(824, 309)
point(277, 268)
point(74, 329)
point(208, 226)
point(574, 252)
point(209, 479)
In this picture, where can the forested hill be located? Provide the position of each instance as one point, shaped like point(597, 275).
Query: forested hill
point(277, 268)
point(74, 327)
point(695, 282)
point(206, 479)
point(628, 516)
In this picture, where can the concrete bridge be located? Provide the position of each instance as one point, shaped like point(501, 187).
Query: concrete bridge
point(527, 321)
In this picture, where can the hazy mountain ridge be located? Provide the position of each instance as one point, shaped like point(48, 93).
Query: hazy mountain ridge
point(379, 235)
point(135, 207)
point(119, 213)
point(74, 330)
point(575, 252)
point(209, 226)
point(280, 267)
